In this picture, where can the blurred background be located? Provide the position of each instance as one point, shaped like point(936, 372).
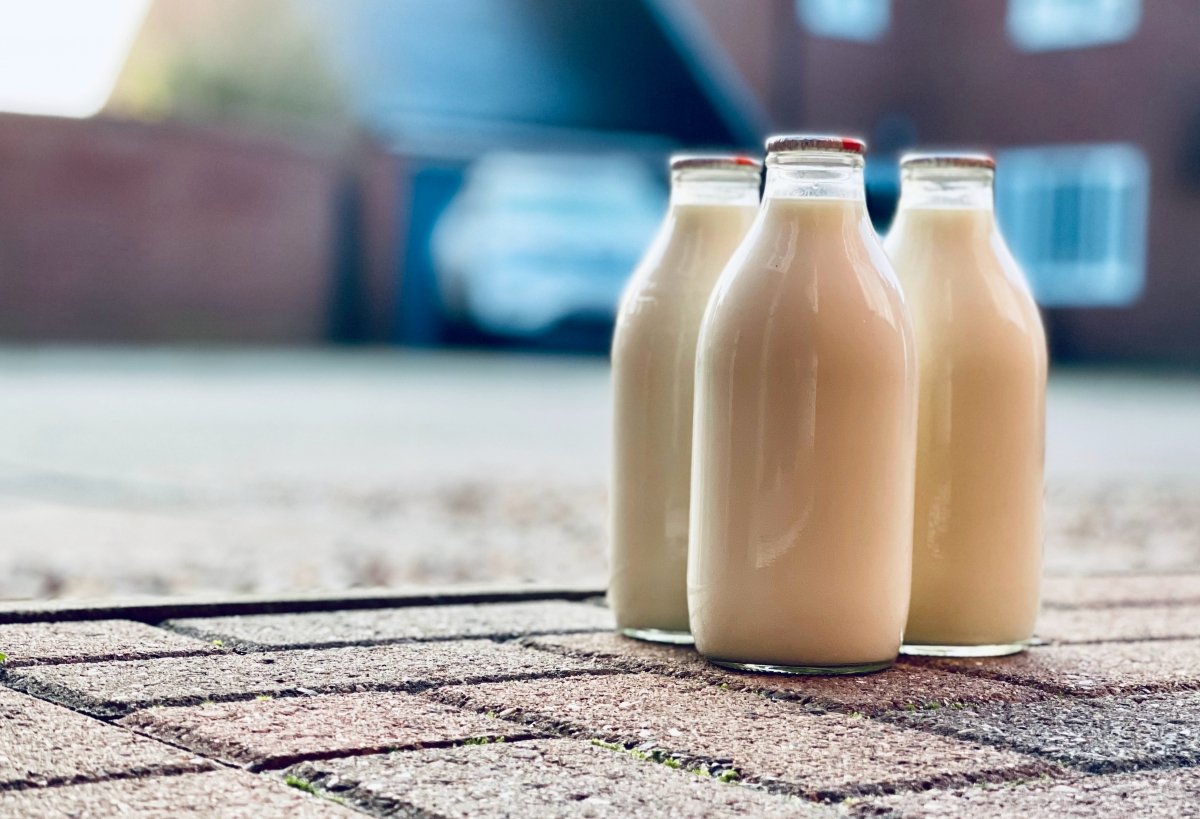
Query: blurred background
point(317, 294)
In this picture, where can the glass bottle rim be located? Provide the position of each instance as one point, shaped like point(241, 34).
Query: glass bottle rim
point(947, 161)
point(817, 143)
point(719, 162)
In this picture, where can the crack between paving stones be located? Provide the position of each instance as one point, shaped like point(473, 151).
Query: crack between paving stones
point(71, 781)
point(61, 695)
point(10, 664)
point(152, 613)
point(251, 647)
point(941, 782)
point(356, 796)
point(278, 763)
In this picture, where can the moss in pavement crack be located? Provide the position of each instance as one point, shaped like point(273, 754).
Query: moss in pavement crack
point(483, 740)
point(300, 784)
point(661, 757)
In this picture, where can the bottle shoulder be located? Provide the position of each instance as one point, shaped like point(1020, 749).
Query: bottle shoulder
point(823, 277)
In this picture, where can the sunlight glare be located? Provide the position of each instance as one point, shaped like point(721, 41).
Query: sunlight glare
point(62, 57)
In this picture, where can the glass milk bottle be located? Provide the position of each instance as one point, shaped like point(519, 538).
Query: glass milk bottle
point(803, 454)
point(713, 202)
point(977, 541)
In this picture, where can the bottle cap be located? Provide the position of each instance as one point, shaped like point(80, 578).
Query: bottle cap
point(731, 162)
point(810, 142)
point(949, 160)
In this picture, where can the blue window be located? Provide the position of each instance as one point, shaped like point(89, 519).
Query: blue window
point(1044, 25)
point(1075, 217)
point(861, 20)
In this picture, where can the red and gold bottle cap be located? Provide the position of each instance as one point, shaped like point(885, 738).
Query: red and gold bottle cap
point(730, 162)
point(810, 142)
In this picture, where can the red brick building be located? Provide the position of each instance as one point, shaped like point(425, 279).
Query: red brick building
point(130, 232)
point(1005, 74)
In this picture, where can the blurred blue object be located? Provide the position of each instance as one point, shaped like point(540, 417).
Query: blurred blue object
point(556, 111)
point(859, 20)
point(533, 241)
point(1046, 25)
point(430, 74)
point(1075, 217)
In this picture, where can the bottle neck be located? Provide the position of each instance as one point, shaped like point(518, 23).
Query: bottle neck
point(815, 175)
point(947, 189)
point(714, 186)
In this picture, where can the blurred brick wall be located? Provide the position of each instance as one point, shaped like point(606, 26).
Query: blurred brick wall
point(120, 231)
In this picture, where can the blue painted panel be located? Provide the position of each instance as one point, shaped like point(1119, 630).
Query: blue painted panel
point(445, 66)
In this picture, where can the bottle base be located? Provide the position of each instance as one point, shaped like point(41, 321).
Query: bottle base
point(805, 670)
point(660, 635)
point(991, 650)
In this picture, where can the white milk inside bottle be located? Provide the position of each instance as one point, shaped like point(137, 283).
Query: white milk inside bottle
point(803, 457)
point(713, 201)
point(977, 541)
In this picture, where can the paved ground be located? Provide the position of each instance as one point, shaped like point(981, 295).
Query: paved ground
point(523, 707)
point(144, 472)
point(167, 473)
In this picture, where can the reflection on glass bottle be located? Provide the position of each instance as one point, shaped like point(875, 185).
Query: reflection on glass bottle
point(977, 545)
point(713, 202)
point(803, 455)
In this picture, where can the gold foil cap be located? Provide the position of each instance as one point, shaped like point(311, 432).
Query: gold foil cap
point(815, 142)
point(947, 160)
point(721, 162)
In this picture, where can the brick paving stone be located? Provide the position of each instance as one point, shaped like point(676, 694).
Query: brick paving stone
point(1115, 590)
point(1122, 623)
point(277, 732)
point(1094, 669)
point(42, 643)
point(43, 744)
point(1172, 792)
point(340, 628)
point(116, 689)
point(544, 778)
point(904, 686)
point(1102, 735)
point(227, 794)
point(766, 740)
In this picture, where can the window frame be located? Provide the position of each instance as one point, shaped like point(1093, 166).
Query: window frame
point(1062, 25)
point(819, 18)
point(1112, 183)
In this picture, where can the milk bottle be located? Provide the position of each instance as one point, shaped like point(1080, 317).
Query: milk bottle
point(977, 544)
point(805, 422)
point(713, 201)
